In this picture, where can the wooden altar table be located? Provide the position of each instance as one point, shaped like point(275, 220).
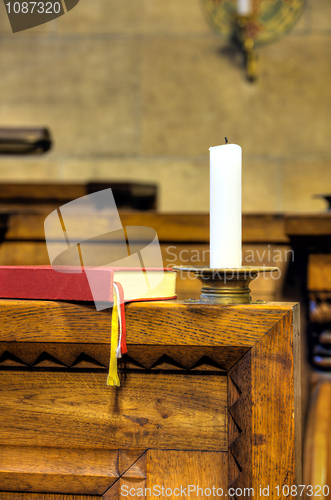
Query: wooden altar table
point(209, 397)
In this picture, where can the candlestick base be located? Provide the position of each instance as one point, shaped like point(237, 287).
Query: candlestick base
point(226, 285)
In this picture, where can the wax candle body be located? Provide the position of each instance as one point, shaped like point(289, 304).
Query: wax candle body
point(244, 7)
point(225, 206)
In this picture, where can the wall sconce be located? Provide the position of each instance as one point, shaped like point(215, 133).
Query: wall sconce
point(248, 23)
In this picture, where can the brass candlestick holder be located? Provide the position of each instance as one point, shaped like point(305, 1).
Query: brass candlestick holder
point(226, 285)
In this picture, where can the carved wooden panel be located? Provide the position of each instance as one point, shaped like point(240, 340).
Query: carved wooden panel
point(240, 424)
point(77, 410)
point(177, 470)
point(97, 474)
point(133, 479)
point(166, 323)
point(264, 411)
point(46, 469)
point(96, 357)
point(208, 391)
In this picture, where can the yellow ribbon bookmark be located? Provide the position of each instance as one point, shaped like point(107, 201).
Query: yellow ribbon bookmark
point(113, 375)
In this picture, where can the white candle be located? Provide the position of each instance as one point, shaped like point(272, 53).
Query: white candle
point(244, 7)
point(225, 206)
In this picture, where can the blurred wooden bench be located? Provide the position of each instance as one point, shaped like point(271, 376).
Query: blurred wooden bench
point(310, 237)
point(45, 197)
point(184, 239)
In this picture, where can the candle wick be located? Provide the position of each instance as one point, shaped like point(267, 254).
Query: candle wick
point(226, 140)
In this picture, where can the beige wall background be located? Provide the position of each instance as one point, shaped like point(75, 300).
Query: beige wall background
point(140, 89)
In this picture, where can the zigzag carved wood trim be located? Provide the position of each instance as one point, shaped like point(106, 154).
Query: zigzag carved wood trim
point(234, 468)
point(234, 429)
point(234, 391)
point(239, 421)
point(249, 398)
point(89, 356)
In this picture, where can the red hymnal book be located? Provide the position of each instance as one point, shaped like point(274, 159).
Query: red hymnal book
point(92, 284)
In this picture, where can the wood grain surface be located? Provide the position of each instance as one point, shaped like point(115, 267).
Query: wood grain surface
point(169, 473)
point(317, 444)
point(265, 435)
point(51, 470)
point(133, 479)
point(70, 470)
point(148, 323)
point(78, 410)
point(276, 428)
point(124, 485)
point(173, 469)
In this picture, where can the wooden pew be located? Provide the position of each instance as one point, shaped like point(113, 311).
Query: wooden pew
point(45, 197)
point(310, 236)
point(184, 239)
